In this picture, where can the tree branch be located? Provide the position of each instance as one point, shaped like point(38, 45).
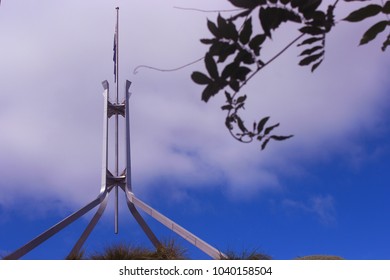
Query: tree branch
point(136, 69)
point(207, 11)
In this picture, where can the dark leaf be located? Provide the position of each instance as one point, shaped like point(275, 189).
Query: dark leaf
point(314, 67)
point(308, 7)
point(269, 129)
point(222, 50)
point(221, 83)
point(363, 13)
point(229, 98)
point(264, 143)
point(211, 90)
point(221, 22)
point(245, 57)
point(241, 99)
point(285, 2)
point(329, 23)
point(386, 8)
point(256, 42)
point(312, 5)
point(231, 32)
point(227, 29)
point(310, 59)
point(228, 123)
point(200, 78)
point(373, 31)
point(295, 3)
point(207, 41)
point(211, 66)
point(213, 29)
point(275, 137)
point(386, 43)
point(265, 20)
point(311, 40)
point(246, 32)
point(240, 124)
point(229, 70)
point(261, 124)
point(227, 107)
point(280, 138)
point(235, 85)
point(222, 26)
point(226, 51)
point(241, 73)
point(247, 4)
point(312, 30)
point(241, 105)
point(245, 13)
point(291, 16)
point(311, 50)
point(318, 18)
point(272, 17)
point(216, 47)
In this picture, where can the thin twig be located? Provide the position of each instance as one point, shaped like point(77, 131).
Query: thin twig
point(207, 11)
point(270, 61)
point(166, 70)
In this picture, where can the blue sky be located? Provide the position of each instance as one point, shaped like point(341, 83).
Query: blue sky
point(325, 191)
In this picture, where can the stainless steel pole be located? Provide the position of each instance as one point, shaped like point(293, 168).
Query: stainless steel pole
point(116, 119)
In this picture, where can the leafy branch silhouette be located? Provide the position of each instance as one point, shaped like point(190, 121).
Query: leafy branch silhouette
point(234, 54)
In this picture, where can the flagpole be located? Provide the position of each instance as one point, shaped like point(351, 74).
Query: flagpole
point(116, 117)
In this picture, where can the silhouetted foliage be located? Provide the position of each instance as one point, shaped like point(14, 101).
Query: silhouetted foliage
point(368, 11)
point(234, 55)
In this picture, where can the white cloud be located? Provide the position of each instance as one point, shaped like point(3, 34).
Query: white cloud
point(50, 117)
point(322, 206)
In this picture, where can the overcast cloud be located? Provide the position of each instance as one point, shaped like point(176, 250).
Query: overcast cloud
point(54, 56)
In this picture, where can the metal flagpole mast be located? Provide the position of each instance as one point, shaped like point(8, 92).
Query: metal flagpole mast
point(115, 181)
point(116, 116)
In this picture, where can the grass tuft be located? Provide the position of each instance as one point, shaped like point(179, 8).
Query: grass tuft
point(319, 257)
point(168, 251)
point(245, 255)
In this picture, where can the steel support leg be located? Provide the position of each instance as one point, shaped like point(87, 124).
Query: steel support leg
point(54, 229)
point(191, 238)
point(149, 233)
point(77, 247)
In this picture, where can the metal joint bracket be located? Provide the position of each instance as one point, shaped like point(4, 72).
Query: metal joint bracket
point(112, 180)
point(115, 109)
